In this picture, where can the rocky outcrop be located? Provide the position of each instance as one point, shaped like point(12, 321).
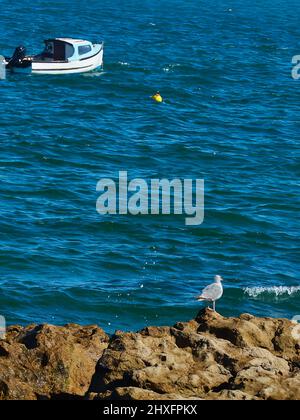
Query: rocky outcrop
point(42, 362)
point(211, 357)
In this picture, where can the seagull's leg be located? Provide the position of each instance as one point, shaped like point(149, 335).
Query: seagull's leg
point(214, 306)
point(209, 305)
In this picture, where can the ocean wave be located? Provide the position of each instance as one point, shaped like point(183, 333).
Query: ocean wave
point(277, 291)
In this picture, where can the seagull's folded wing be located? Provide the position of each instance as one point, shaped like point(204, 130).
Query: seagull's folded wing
point(212, 292)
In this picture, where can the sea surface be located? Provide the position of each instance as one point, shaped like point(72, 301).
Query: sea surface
point(230, 116)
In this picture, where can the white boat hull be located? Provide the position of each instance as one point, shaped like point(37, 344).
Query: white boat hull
point(71, 67)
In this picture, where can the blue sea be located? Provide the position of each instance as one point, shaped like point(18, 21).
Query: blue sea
point(230, 116)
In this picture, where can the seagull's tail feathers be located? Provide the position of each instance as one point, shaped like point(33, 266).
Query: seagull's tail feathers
point(200, 297)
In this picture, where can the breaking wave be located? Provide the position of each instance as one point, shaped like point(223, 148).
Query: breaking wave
point(277, 291)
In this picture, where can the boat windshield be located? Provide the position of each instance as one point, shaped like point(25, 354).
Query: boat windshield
point(84, 49)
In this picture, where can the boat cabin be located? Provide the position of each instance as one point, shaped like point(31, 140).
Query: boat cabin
point(66, 49)
point(59, 56)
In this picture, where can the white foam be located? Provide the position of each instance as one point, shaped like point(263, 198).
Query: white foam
point(94, 74)
point(171, 67)
point(272, 290)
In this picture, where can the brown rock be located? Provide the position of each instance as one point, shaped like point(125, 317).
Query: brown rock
point(211, 357)
point(43, 361)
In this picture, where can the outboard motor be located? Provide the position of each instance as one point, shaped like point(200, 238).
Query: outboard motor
point(17, 58)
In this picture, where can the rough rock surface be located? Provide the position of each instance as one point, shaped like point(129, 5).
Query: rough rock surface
point(211, 357)
point(44, 361)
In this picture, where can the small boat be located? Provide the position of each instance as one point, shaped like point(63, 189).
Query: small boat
point(60, 56)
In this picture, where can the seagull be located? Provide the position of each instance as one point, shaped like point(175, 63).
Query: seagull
point(212, 292)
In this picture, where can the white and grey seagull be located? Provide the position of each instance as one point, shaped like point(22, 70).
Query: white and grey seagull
point(213, 292)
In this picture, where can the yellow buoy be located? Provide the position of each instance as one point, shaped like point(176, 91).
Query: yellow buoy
point(157, 97)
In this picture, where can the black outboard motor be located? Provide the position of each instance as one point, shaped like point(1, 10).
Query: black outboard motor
point(17, 59)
